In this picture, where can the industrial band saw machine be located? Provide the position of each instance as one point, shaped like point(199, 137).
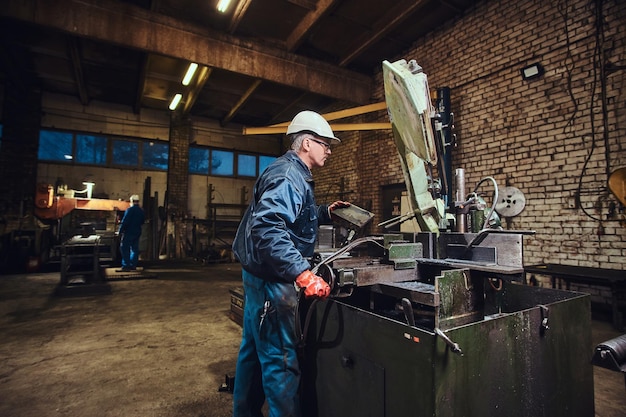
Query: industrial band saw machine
point(440, 322)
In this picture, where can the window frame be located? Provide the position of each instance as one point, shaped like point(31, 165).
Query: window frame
point(236, 169)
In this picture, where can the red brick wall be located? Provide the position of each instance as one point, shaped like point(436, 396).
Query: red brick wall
point(545, 136)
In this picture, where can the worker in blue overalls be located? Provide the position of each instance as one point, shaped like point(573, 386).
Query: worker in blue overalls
point(276, 236)
point(130, 232)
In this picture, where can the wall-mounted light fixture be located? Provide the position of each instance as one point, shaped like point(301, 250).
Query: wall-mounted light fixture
point(190, 72)
point(532, 71)
point(222, 5)
point(89, 188)
point(175, 101)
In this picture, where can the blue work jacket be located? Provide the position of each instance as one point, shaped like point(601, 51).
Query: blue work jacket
point(279, 228)
point(132, 221)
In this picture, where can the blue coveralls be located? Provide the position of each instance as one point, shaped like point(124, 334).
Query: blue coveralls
point(276, 234)
point(130, 230)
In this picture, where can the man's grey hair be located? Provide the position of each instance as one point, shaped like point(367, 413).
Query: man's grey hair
point(298, 138)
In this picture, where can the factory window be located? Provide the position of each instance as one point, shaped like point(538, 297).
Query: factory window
point(91, 149)
point(125, 152)
point(99, 150)
point(222, 163)
point(264, 161)
point(155, 155)
point(198, 161)
point(207, 161)
point(246, 165)
point(55, 146)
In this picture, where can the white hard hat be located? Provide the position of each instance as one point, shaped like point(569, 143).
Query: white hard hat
point(309, 121)
point(134, 197)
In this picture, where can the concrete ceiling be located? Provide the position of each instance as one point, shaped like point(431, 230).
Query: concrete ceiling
point(261, 61)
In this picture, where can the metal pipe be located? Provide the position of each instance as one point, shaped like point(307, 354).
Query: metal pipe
point(494, 202)
point(459, 176)
point(461, 220)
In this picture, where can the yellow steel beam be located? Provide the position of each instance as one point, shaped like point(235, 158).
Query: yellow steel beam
point(354, 111)
point(340, 127)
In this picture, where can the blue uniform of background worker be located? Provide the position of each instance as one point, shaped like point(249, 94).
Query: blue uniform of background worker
point(275, 237)
point(130, 232)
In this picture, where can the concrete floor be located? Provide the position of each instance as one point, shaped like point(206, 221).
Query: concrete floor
point(158, 346)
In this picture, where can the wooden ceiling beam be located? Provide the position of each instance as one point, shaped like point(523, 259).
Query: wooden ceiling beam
point(384, 25)
point(296, 37)
point(241, 102)
point(238, 14)
point(141, 84)
point(77, 69)
point(110, 20)
point(194, 91)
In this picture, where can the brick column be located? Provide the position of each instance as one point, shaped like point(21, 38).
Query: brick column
point(177, 184)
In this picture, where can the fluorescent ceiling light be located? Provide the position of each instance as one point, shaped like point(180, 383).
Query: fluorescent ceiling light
point(223, 5)
point(175, 101)
point(190, 72)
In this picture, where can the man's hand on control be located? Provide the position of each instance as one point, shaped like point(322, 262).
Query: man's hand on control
point(337, 204)
point(313, 285)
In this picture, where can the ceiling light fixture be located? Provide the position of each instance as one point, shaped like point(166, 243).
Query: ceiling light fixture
point(175, 101)
point(190, 72)
point(222, 5)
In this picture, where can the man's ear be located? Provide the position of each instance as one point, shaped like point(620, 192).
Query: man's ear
point(306, 145)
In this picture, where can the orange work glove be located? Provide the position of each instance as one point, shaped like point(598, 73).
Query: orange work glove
point(313, 285)
point(336, 205)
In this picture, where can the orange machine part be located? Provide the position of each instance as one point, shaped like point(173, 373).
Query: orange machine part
point(617, 184)
point(62, 206)
point(44, 196)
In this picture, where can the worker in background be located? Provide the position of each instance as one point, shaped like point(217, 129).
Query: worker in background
point(130, 232)
point(275, 237)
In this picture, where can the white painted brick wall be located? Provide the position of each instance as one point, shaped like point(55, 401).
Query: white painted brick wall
point(537, 135)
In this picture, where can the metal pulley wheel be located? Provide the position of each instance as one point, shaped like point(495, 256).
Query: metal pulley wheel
point(511, 202)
